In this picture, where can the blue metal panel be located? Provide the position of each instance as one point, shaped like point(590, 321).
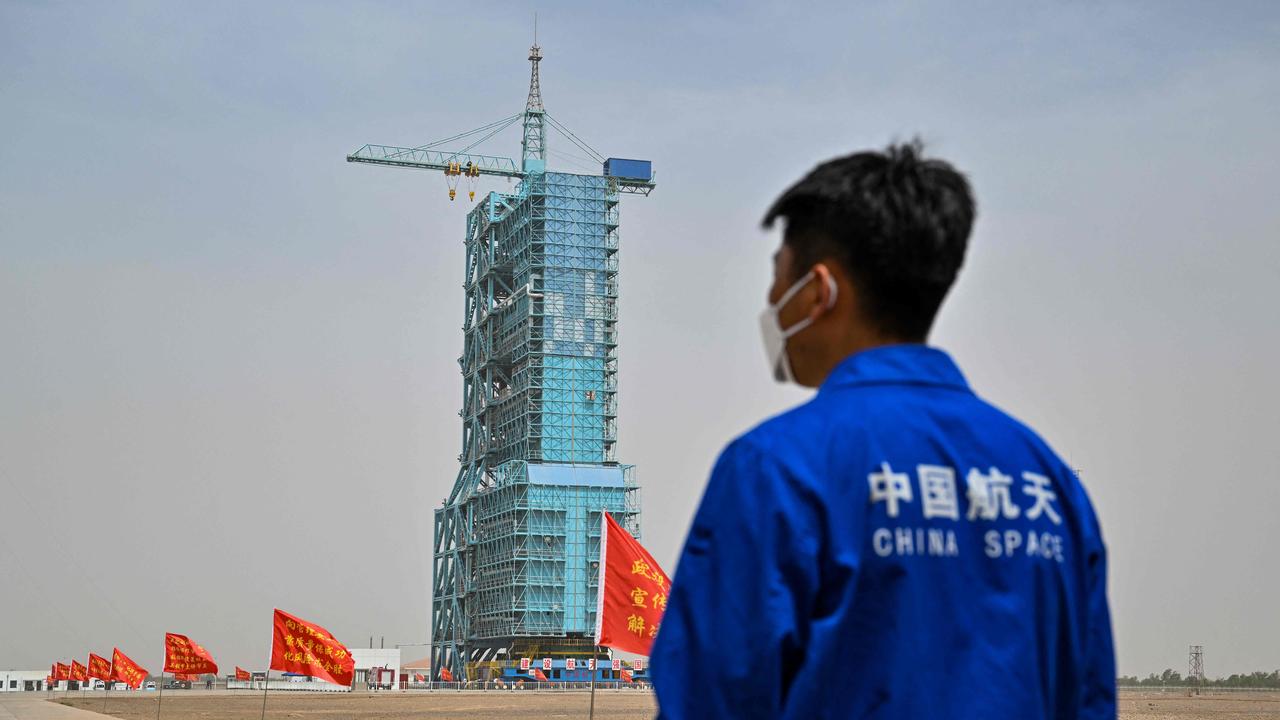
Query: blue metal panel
point(579, 475)
point(626, 168)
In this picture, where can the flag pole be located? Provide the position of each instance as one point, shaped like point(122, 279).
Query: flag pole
point(266, 675)
point(595, 662)
point(160, 699)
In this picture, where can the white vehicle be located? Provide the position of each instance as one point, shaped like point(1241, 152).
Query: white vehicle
point(151, 685)
point(99, 685)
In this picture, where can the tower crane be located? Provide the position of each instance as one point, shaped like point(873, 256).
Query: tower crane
point(463, 163)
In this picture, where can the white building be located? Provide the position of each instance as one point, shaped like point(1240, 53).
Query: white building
point(387, 660)
point(23, 680)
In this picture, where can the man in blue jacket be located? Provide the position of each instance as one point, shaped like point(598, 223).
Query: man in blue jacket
point(896, 547)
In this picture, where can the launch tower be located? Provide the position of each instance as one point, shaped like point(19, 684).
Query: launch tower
point(516, 543)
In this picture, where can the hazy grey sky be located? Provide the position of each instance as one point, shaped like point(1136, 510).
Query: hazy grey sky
point(229, 374)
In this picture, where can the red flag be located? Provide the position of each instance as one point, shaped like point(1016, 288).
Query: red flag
point(308, 649)
point(126, 671)
point(181, 656)
point(419, 677)
point(446, 675)
point(99, 668)
point(633, 591)
point(625, 675)
point(61, 672)
point(242, 674)
point(79, 672)
point(539, 675)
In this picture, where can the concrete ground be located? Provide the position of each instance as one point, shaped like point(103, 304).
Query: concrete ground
point(34, 706)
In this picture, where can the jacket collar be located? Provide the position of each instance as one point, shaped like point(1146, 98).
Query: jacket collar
point(897, 365)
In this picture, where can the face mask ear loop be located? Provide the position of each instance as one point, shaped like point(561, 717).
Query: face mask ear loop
point(796, 287)
point(831, 302)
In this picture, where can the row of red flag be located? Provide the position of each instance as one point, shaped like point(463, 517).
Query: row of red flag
point(297, 646)
point(120, 669)
point(633, 597)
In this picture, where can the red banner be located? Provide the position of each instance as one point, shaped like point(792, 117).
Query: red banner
point(446, 675)
point(61, 672)
point(633, 591)
point(242, 674)
point(126, 671)
point(181, 656)
point(625, 675)
point(307, 649)
point(539, 675)
point(185, 677)
point(99, 668)
point(79, 672)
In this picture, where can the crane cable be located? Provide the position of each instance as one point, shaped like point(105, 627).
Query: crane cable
point(504, 122)
point(558, 126)
point(506, 125)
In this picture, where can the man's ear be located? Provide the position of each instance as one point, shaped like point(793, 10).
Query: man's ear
point(825, 285)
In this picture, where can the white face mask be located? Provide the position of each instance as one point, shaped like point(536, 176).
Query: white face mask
point(775, 337)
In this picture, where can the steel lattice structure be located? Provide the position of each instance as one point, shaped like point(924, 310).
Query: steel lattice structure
point(1195, 666)
point(516, 543)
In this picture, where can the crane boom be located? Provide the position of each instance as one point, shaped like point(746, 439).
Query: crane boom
point(434, 160)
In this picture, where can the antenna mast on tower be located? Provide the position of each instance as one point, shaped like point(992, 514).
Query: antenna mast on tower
point(533, 149)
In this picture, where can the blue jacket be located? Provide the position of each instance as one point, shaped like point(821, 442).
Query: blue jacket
point(894, 548)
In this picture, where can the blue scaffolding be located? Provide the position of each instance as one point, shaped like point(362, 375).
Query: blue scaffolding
point(516, 543)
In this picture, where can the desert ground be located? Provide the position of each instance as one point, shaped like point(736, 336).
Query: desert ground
point(443, 705)
point(614, 705)
point(1212, 706)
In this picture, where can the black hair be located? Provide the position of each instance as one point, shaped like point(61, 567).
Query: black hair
point(896, 221)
